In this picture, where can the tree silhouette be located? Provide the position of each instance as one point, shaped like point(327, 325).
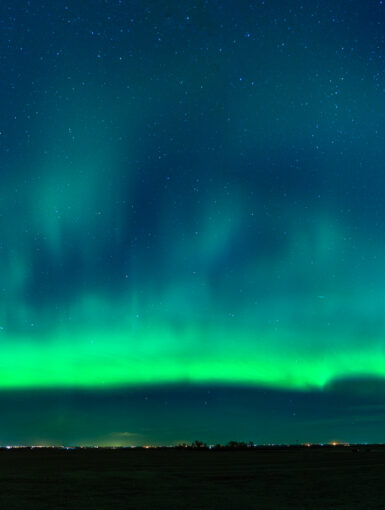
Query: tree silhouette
point(198, 444)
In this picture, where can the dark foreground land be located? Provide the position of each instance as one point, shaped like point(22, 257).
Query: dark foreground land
point(140, 479)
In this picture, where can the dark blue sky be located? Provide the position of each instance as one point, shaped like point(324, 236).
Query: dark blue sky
point(192, 221)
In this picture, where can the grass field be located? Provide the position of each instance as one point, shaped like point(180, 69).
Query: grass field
point(333, 478)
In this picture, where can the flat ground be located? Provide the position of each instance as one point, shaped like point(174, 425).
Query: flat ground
point(336, 478)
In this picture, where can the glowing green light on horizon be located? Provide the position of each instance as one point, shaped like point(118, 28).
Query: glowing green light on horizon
point(96, 359)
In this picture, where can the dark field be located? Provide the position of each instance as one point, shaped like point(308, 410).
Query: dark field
point(335, 478)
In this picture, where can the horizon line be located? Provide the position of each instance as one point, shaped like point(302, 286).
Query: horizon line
point(217, 446)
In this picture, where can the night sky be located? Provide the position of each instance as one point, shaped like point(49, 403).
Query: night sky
point(192, 221)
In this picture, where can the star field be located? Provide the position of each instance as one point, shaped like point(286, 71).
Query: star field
point(192, 193)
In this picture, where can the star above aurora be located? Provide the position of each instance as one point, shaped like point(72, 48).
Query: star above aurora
point(192, 196)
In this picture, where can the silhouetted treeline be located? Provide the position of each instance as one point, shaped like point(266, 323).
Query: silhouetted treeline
point(202, 446)
point(241, 445)
point(231, 445)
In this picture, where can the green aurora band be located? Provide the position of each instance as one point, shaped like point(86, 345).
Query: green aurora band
point(187, 215)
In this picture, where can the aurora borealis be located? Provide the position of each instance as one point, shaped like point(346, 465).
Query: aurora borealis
point(191, 197)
